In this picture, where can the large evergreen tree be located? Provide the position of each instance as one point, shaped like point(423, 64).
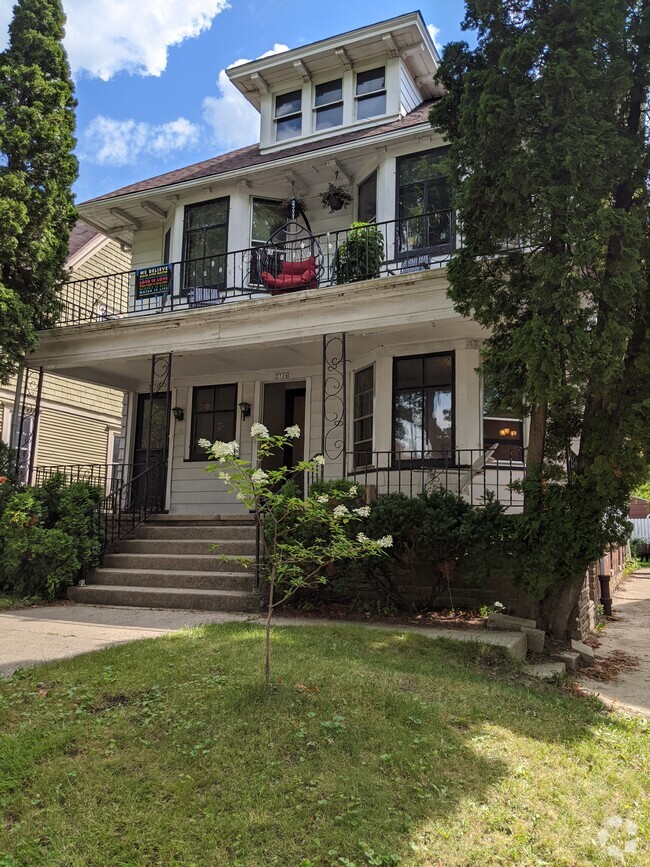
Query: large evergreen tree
point(37, 170)
point(549, 157)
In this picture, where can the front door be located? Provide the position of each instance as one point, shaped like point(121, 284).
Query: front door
point(284, 406)
point(155, 448)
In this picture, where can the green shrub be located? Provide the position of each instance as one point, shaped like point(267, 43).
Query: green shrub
point(47, 535)
point(361, 255)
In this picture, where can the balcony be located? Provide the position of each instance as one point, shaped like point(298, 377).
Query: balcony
point(293, 260)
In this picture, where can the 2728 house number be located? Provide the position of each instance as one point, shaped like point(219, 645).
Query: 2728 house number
point(282, 374)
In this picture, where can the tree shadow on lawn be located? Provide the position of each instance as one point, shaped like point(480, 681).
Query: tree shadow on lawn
point(366, 737)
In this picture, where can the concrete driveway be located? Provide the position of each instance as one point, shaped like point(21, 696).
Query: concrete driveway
point(631, 634)
point(31, 636)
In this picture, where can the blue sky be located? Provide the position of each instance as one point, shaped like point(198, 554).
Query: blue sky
point(150, 83)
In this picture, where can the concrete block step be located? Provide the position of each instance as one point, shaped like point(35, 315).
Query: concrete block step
point(186, 546)
point(237, 581)
point(177, 562)
point(193, 531)
point(186, 520)
point(156, 597)
point(546, 670)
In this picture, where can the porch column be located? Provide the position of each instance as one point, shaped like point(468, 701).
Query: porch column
point(334, 404)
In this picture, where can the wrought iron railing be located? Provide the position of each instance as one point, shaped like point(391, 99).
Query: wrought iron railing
point(347, 255)
point(475, 474)
point(129, 504)
point(109, 477)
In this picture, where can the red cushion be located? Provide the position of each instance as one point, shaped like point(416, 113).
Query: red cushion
point(306, 280)
point(299, 267)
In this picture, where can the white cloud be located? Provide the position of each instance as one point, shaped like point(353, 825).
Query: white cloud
point(434, 32)
point(110, 142)
point(232, 119)
point(104, 37)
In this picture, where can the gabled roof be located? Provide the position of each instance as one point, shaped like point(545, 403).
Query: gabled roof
point(247, 157)
point(80, 235)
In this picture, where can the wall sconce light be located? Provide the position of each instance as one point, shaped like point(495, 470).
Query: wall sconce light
point(178, 413)
point(245, 409)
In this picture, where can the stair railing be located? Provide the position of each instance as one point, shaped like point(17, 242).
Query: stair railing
point(129, 505)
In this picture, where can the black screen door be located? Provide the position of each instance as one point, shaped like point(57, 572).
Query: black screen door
point(157, 446)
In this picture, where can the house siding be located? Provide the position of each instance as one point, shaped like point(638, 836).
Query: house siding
point(409, 96)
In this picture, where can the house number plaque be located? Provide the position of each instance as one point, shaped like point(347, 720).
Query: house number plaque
point(282, 374)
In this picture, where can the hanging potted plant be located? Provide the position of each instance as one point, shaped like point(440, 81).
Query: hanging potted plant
point(335, 196)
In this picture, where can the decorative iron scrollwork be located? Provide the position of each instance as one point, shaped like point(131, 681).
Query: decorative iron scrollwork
point(334, 400)
point(29, 388)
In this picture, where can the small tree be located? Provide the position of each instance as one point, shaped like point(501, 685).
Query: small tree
point(37, 170)
point(290, 565)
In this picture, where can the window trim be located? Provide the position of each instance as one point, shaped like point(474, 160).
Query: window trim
point(423, 462)
point(318, 108)
point(371, 415)
point(191, 452)
point(287, 116)
point(359, 97)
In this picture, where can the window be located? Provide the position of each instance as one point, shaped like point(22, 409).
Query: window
point(205, 243)
point(423, 406)
point(288, 115)
point(329, 104)
point(268, 218)
point(364, 398)
point(371, 93)
point(213, 416)
point(508, 434)
point(425, 221)
point(167, 242)
point(368, 199)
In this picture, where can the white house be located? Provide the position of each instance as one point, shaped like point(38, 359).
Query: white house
point(230, 315)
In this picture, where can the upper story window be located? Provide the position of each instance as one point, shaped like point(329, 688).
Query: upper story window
point(329, 104)
point(288, 115)
point(371, 93)
point(205, 244)
point(425, 218)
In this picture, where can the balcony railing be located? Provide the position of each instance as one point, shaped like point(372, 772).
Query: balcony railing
point(475, 474)
point(406, 245)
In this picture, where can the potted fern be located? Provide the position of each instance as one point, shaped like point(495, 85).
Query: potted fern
point(335, 197)
point(361, 255)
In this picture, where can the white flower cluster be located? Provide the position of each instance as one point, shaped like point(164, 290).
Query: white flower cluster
point(259, 430)
point(319, 460)
point(384, 542)
point(221, 451)
point(353, 490)
point(205, 444)
point(362, 511)
point(259, 477)
point(293, 432)
point(322, 498)
point(498, 606)
point(340, 511)
point(224, 477)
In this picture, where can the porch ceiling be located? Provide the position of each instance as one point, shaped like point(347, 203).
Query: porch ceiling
point(132, 373)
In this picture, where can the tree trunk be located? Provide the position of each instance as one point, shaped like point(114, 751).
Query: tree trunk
point(267, 645)
point(559, 608)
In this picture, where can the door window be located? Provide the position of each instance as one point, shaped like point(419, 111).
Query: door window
point(205, 244)
point(423, 198)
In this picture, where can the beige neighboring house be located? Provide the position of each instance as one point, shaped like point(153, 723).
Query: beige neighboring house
point(79, 422)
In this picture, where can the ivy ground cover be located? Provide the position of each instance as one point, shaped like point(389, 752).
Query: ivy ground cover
point(373, 748)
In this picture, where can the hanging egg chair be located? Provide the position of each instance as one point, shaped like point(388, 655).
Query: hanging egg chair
point(292, 258)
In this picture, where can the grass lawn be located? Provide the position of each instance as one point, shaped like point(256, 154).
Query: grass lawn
point(374, 747)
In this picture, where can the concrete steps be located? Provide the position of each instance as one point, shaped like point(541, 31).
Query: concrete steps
point(171, 562)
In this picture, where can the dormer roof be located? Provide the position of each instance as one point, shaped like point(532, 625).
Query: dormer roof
point(406, 36)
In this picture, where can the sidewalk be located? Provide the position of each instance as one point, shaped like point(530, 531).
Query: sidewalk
point(31, 636)
point(630, 691)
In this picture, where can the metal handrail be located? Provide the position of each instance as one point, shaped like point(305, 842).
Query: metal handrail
point(129, 505)
point(475, 474)
point(422, 242)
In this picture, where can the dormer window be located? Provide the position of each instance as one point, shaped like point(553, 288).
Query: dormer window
point(288, 115)
point(329, 104)
point(371, 93)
